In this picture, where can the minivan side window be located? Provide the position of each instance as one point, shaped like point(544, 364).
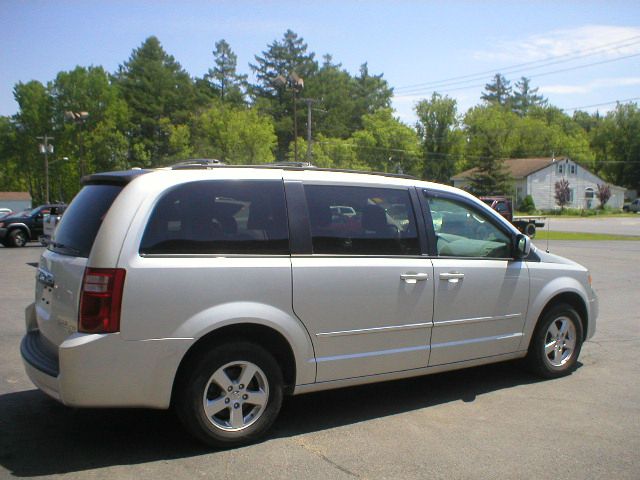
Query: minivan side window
point(350, 220)
point(219, 217)
point(462, 231)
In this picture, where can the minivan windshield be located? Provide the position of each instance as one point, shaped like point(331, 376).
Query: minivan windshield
point(80, 224)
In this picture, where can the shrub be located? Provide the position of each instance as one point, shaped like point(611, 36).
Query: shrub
point(527, 205)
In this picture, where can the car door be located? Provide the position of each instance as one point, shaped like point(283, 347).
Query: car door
point(481, 292)
point(364, 290)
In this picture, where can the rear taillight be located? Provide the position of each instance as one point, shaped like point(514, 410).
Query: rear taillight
point(100, 300)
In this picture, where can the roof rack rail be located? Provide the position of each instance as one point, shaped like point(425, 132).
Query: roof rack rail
point(292, 164)
point(196, 163)
point(213, 163)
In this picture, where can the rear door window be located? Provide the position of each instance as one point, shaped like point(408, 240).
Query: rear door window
point(350, 220)
point(79, 226)
point(219, 217)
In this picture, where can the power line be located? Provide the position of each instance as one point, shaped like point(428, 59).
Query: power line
point(568, 57)
point(544, 74)
point(600, 104)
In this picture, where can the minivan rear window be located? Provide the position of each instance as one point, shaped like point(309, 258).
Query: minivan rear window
point(81, 221)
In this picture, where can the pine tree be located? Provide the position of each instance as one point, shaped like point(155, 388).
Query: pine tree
point(286, 59)
point(224, 77)
point(526, 97)
point(157, 89)
point(498, 92)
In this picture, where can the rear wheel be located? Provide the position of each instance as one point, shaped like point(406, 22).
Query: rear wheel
point(530, 230)
point(556, 343)
point(230, 395)
point(18, 238)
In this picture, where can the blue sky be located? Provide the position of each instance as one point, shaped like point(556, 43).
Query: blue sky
point(410, 42)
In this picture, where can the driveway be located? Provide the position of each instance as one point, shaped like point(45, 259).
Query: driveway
point(483, 423)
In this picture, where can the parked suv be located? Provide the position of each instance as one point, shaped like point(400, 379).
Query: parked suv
point(217, 290)
point(16, 229)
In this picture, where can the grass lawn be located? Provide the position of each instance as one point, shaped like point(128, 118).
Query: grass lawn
point(544, 235)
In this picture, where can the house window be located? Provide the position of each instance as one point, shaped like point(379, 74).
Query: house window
point(589, 193)
point(573, 168)
point(571, 195)
point(560, 168)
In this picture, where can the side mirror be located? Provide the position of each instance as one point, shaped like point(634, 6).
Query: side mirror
point(522, 246)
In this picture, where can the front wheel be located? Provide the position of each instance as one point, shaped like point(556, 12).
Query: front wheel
point(18, 238)
point(230, 395)
point(556, 343)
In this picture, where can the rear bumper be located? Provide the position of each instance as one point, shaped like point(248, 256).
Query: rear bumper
point(104, 370)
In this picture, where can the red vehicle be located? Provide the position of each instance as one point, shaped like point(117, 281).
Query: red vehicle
point(526, 224)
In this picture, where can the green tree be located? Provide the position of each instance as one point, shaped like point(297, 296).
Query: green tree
point(497, 92)
point(617, 145)
point(332, 91)
point(281, 59)
point(437, 129)
point(385, 144)
point(155, 86)
point(372, 93)
point(97, 144)
point(223, 77)
point(234, 135)
point(34, 118)
point(491, 138)
point(525, 97)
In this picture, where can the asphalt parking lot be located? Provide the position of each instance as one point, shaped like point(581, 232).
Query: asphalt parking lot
point(487, 422)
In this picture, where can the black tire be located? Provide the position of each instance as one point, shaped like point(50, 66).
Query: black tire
point(198, 384)
point(562, 360)
point(530, 230)
point(18, 238)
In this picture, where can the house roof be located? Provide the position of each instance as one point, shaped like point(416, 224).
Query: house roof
point(517, 167)
point(15, 196)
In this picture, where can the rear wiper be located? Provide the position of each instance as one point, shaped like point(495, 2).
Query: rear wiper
point(65, 248)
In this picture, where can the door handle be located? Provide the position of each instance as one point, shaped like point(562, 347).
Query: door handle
point(414, 277)
point(452, 277)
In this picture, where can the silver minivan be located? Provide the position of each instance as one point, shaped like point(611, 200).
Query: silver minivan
point(216, 290)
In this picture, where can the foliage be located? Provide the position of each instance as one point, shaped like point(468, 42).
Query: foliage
point(604, 194)
point(385, 144)
point(525, 97)
point(151, 113)
point(527, 205)
point(223, 78)
point(155, 87)
point(234, 135)
point(439, 137)
point(562, 193)
point(489, 131)
point(497, 92)
point(616, 143)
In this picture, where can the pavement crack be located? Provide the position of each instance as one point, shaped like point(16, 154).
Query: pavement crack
point(319, 454)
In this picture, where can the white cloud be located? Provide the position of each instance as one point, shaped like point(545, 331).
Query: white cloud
point(566, 42)
point(591, 86)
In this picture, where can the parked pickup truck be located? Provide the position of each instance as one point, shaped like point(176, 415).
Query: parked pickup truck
point(526, 224)
point(632, 207)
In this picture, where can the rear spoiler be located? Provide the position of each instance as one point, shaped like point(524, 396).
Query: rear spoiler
point(112, 178)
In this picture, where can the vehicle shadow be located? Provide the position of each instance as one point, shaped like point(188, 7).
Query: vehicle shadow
point(42, 437)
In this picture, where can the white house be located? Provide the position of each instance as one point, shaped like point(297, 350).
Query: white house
point(538, 176)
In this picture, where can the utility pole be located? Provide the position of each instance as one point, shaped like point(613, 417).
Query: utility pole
point(46, 148)
point(294, 82)
point(309, 102)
